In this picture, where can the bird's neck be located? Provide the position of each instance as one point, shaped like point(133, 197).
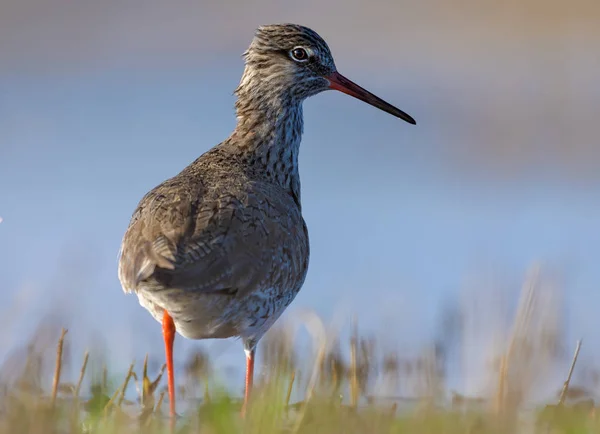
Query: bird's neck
point(268, 132)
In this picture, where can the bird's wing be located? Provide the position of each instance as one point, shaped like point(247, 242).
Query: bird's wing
point(160, 221)
point(227, 242)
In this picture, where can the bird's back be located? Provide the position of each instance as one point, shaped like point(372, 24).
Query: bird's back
point(219, 246)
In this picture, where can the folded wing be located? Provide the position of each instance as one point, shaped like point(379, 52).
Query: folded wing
point(204, 241)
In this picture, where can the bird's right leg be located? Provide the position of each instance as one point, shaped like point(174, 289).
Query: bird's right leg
point(249, 349)
point(168, 329)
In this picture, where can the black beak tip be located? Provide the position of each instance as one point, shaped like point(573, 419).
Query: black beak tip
point(408, 118)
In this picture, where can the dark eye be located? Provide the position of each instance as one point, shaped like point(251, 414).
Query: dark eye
point(299, 54)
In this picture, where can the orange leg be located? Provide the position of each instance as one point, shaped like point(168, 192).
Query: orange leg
point(249, 379)
point(168, 329)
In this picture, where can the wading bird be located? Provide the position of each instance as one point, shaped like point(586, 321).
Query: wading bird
point(221, 249)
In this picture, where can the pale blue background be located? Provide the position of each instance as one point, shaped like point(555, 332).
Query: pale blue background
point(99, 102)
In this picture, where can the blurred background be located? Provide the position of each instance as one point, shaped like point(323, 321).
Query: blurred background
point(101, 101)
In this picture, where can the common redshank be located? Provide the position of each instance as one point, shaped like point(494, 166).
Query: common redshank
point(221, 249)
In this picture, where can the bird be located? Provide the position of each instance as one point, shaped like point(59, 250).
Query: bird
point(221, 249)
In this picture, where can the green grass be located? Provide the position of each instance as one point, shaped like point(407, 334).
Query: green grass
point(336, 402)
point(269, 414)
point(333, 395)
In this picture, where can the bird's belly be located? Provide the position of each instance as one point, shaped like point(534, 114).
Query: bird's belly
point(248, 312)
point(208, 316)
point(196, 316)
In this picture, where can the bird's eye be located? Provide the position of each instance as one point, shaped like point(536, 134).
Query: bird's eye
point(299, 54)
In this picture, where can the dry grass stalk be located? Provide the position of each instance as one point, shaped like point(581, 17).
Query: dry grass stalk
point(31, 378)
point(149, 387)
point(161, 398)
point(290, 387)
point(365, 364)
point(146, 395)
point(125, 384)
point(354, 367)
point(431, 384)
point(393, 409)
point(154, 384)
point(77, 390)
point(120, 391)
point(111, 401)
point(206, 393)
point(104, 377)
point(316, 329)
point(147, 398)
point(58, 366)
point(565, 388)
point(333, 370)
point(522, 320)
point(500, 391)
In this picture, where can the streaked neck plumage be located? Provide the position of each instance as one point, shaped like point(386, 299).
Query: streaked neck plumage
point(269, 126)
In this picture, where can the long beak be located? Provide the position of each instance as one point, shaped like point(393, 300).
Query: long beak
point(339, 82)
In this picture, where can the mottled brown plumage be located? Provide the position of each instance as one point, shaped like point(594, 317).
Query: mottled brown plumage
point(213, 246)
point(221, 249)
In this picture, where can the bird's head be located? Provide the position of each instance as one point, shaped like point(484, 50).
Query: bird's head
point(294, 59)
